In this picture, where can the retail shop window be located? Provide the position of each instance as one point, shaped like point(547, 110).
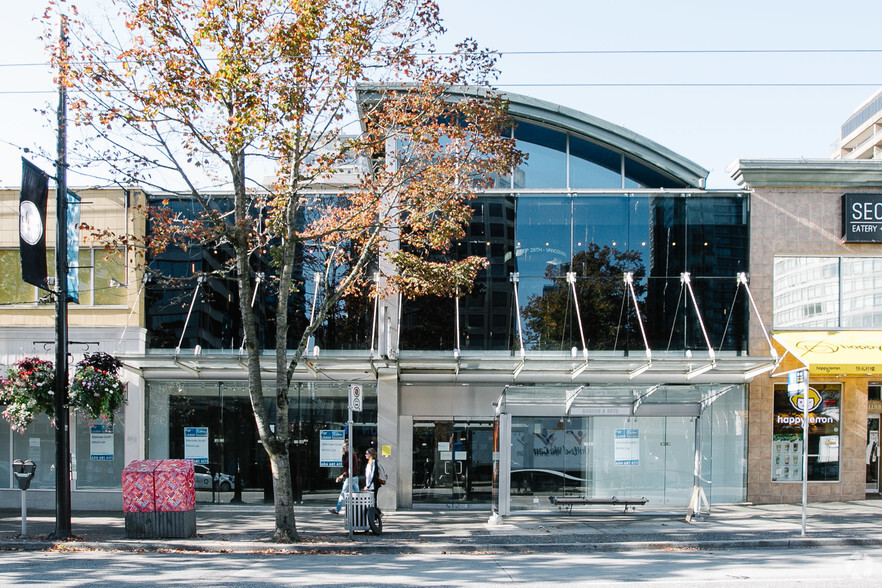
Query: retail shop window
point(823, 434)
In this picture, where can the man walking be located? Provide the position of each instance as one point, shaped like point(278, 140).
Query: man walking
point(349, 478)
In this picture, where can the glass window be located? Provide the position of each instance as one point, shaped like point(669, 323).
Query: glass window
point(100, 452)
point(12, 289)
point(546, 164)
point(234, 445)
point(827, 292)
point(593, 166)
point(109, 269)
point(823, 434)
point(861, 280)
point(95, 275)
point(37, 444)
point(640, 175)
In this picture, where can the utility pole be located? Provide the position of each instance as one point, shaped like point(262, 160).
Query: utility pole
point(62, 417)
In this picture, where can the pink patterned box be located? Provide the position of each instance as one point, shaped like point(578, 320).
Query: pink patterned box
point(137, 485)
point(174, 486)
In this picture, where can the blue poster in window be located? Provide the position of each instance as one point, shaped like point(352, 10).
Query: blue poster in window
point(330, 448)
point(627, 447)
point(101, 442)
point(196, 444)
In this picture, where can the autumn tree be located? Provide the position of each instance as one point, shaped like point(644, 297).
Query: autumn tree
point(180, 95)
point(604, 304)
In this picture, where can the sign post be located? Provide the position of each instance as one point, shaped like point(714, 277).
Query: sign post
point(797, 383)
point(355, 393)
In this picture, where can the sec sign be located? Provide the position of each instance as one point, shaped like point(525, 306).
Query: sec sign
point(862, 218)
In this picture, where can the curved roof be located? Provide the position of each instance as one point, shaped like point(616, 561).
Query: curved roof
point(601, 131)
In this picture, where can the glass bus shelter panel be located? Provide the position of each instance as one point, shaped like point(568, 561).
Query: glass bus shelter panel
point(549, 458)
point(649, 457)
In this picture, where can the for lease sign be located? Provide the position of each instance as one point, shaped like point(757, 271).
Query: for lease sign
point(862, 218)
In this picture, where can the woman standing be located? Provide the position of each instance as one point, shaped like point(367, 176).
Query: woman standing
point(372, 474)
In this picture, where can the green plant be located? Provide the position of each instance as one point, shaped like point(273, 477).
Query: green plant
point(28, 391)
point(97, 390)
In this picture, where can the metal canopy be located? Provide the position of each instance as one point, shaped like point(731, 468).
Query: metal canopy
point(464, 367)
point(655, 400)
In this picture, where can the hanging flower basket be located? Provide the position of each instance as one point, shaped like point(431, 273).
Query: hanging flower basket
point(97, 390)
point(28, 391)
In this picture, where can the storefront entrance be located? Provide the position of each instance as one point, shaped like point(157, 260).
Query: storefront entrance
point(872, 454)
point(452, 462)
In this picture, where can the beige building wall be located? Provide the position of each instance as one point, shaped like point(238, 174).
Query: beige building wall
point(796, 209)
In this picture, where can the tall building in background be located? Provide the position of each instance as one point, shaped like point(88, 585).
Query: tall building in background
point(861, 135)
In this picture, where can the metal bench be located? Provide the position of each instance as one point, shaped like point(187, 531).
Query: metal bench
point(568, 502)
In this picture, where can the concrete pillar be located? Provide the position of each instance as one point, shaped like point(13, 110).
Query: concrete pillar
point(388, 403)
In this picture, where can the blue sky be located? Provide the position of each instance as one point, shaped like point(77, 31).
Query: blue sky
point(712, 125)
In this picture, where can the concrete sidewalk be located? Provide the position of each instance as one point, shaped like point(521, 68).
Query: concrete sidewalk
point(248, 528)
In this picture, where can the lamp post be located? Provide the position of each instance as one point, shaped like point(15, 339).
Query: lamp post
point(62, 433)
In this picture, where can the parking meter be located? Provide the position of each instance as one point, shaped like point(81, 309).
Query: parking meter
point(24, 472)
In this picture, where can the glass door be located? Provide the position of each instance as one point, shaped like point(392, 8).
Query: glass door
point(452, 462)
point(873, 454)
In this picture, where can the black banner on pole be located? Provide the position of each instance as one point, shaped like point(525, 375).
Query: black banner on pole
point(32, 224)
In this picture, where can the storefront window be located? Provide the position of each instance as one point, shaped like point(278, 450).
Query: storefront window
point(100, 458)
point(234, 447)
point(37, 444)
point(823, 434)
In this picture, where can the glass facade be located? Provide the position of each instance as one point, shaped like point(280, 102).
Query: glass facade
point(233, 443)
point(598, 237)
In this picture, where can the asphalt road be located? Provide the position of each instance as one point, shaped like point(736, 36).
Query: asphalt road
point(822, 567)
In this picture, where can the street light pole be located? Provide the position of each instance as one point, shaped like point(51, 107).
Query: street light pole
point(62, 421)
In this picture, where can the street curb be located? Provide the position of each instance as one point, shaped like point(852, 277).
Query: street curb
point(361, 548)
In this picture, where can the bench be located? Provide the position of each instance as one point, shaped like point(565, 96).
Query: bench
point(568, 502)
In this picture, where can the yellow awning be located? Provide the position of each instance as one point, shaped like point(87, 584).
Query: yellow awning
point(854, 353)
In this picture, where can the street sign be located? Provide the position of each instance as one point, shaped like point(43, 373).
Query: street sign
point(355, 396)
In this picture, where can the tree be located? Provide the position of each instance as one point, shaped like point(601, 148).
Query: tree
point(193, 93)
point(602, 299)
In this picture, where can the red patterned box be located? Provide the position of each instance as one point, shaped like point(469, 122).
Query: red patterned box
point(137, 485)
point(174, 483)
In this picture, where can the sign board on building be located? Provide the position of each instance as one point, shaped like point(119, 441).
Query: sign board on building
point(862, 218)
point(196, 444)
point(331, 448)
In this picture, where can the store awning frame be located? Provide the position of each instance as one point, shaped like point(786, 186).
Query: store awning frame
point(831, 352)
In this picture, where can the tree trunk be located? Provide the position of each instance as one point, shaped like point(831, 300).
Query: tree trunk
point(286, 527)
point(275, 443)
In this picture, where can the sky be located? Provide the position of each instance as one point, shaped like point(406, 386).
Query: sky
point(712, 81)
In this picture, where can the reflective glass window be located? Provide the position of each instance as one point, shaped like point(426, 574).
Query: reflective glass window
point(546, 164)
point(593, 166)
point(640, 175)
point(861, 286)
point(805, 292)
point(12, 289)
